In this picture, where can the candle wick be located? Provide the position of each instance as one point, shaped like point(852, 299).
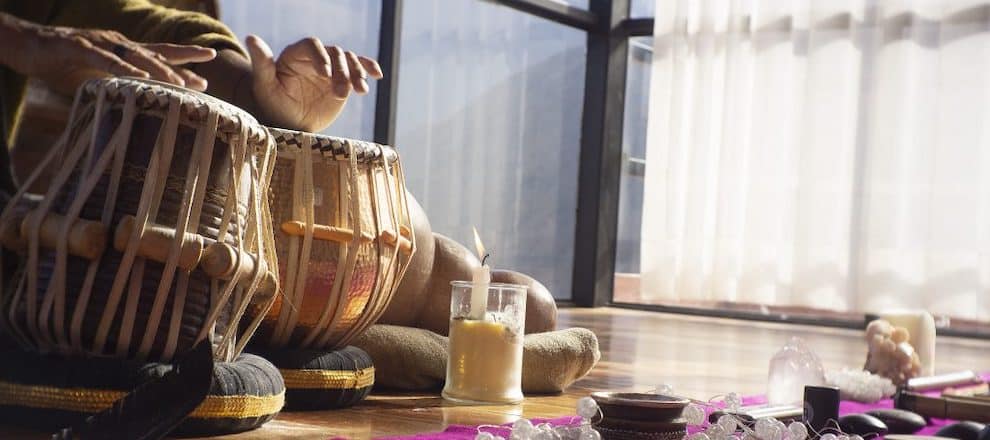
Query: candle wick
point(485, 258)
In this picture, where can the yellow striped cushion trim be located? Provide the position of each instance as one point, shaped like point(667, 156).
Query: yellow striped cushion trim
point(238, 407)
point(328, 379)
point(87, 400)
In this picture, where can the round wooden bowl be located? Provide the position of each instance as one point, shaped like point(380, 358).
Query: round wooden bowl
point(640, 406)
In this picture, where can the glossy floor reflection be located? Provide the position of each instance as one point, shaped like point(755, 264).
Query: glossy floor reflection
point(699, 357)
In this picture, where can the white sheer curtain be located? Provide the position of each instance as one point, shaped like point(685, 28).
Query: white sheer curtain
point(828, 154)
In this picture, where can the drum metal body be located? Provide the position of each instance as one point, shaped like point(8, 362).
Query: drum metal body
point(343, 236)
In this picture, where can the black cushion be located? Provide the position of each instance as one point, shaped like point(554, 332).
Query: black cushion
point(30, 385)
point(321, 379)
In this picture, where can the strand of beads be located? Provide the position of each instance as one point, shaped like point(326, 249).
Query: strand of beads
point(731, 427)
point(523, 429)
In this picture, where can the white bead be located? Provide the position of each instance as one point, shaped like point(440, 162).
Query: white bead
point(484, 436)
point(828, 436)
point(587, 407)
point(764, 426)
point(843, 437)
point(798, 431)
point(776, 433)
point(663, 389)
point(590, 434)
point(694, 415)
point(569, 432)
point(716, 432)
point(540, 435)
point(733, 402)
point(522, 426)
point(728, 423)
point(855, 437)
point(699, 436)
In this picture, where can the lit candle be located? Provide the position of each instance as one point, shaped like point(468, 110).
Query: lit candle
point(480, 278)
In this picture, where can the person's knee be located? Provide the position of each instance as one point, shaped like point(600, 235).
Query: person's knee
point(541, 309)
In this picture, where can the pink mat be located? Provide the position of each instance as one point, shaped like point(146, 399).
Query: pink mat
point(462, 432)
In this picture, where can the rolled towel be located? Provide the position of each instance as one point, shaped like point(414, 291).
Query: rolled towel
point(405, 358)
point(552, 361)
point(408, 358)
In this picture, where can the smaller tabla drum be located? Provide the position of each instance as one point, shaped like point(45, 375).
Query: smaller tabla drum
point(343, 236)
point(153, 234)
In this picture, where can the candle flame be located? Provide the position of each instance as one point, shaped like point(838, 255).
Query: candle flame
point(478, 245)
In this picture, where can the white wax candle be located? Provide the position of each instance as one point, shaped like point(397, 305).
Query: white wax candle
point(921, 328)
point(480, 278)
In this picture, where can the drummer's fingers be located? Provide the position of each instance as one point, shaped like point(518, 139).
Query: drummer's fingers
point(181, 53)
point(358, 74)
point(153, 64)
point(101, 59)
point(193, 81)
point(262, 62)
point(372, 67)
point(308, 57)
point(341, 77)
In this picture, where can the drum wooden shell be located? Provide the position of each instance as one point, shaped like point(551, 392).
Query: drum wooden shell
point(113, 162)
point(343, 236)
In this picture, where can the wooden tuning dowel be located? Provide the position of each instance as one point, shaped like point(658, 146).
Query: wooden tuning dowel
point(156, 241)
point(223, 261)
point(87, 238)
point(324, 232)
point(10, 233)
point(389, 237)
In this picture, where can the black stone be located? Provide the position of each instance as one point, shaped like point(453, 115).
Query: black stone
point(821, 404)
point(985, 434)
point(962, 430)
point(862, 425)
point(899, 421)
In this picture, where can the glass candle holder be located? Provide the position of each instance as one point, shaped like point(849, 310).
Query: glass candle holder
point(484, 359)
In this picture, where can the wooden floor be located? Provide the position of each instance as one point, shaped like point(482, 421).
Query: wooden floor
point(699, 357)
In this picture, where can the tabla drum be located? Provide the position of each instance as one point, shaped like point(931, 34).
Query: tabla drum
point(343, 237)
point(154, 233)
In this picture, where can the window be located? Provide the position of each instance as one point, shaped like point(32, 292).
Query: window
point(583, 4)
point(488, 124)
point(280, 23)
point(642, 8)
point(812, 160)
point(633, 169)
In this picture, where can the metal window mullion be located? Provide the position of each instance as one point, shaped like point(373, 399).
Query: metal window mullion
point(600, 164)
point(389, 36)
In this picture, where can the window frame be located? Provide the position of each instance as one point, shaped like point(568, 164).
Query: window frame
point(609, 29)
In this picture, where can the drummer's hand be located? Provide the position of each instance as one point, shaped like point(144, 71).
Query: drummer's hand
point(308, 85)
point(65, 57)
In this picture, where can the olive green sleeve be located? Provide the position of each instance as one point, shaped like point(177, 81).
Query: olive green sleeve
point(145, 22)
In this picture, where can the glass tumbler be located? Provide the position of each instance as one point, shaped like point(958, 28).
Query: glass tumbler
point(484, 358)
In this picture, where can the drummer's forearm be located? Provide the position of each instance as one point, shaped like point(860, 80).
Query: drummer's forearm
point(229, 77)
point(12, 39)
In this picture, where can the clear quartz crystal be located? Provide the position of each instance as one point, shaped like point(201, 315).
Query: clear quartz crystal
point(791, 369)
